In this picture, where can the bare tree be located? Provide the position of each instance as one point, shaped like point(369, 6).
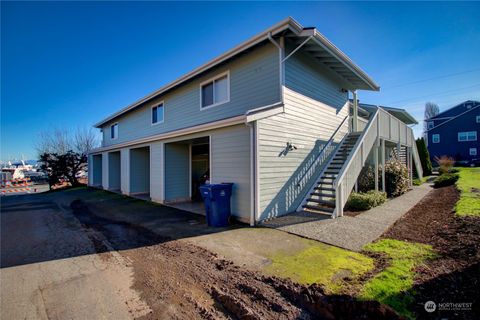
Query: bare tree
point(431, 110)
point(61, 140)
point(84, 140)
point(56, 140)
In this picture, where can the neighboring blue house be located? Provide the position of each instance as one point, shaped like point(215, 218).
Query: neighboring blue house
point(454, 132)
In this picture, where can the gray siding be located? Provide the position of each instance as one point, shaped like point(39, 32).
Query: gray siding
point(177, 180)
point(308, 124)
point(230, 156)
point(140, 170)
point(254, 82)
point(308, 77)
point(114, 173)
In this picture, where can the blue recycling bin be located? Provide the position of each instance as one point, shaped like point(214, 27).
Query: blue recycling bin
point(217, 203)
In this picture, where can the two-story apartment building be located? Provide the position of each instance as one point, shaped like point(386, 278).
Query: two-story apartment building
point(271, 115)
point(454, 132)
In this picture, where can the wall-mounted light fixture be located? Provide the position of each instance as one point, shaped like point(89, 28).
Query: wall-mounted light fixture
point(291, 147)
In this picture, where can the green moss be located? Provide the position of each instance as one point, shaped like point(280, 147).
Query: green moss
point(393, 286)
point(322, 264)
point(469, 186)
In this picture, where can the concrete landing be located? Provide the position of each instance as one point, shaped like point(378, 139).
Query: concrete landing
point(351, 233)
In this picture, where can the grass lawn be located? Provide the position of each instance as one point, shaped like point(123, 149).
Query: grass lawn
point(322, 264)
point(469, 186)
point(393, 286)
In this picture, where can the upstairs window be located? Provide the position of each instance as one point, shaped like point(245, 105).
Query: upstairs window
point(215, 91)
point(157, 113)
point(435, 138)
point(478, 119)
point(429, 125)
point(467, 136)
point(114, 131)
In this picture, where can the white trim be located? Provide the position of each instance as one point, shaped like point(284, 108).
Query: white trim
point(112, 125)
point(190, 170)
point(466, 136)
point(151, 113)
point(455, 117)
point(212, 80)
point(177, 133)
point(252, 175)
point(210, 155)
point(257, 173)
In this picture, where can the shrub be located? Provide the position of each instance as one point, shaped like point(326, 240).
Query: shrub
point(365, 200)
point(446, 179)
point(445, 163)
point(424, 156)
point(396, 178)
point(417, 182)
point(453, 170)
point(366, 179)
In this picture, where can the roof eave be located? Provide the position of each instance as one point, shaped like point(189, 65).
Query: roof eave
point(337, 53)
point(288, 23)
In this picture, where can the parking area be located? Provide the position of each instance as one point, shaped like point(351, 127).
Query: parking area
point(88, 254)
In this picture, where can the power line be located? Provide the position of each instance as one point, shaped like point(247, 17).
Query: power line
point(435, 94)
point(433, 78)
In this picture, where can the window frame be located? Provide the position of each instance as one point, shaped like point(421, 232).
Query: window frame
point(470, 151)
point(111, 126)
point(433, 138)
point(430, 125)
point(466, 136)
point(478, 119)
point(212, 80)
point(162, 103)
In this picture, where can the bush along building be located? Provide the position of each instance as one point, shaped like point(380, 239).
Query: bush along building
point(454, 133)
point(272, 116)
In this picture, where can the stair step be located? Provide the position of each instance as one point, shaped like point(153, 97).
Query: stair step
point(322, 210)
point(334, 165)
point(321, 198)
point(326, 203)
point(332, 171)
point(324, 189)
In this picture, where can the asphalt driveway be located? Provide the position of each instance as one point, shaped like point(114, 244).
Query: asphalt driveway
point(89, 254)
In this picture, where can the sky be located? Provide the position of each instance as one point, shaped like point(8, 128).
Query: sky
point(71, 64)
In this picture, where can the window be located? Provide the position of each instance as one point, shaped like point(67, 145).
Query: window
point(473, 151)
point(157, 113)
point(429, 124)
point(215, 91)
point(478, 119)
point(467, 136)
point(114, 131)
point(435, 138)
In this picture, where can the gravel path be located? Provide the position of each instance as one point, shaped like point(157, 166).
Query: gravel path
point(347, 232)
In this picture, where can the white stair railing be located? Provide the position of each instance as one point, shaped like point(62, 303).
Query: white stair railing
point(382, 125)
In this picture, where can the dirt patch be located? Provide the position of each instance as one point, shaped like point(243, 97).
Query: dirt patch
point(455, 276)
point(179, 280)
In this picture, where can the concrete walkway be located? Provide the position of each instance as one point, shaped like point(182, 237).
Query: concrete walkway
point(351, 233)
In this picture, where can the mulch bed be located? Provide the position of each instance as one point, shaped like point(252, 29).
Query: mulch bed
point(455, 276)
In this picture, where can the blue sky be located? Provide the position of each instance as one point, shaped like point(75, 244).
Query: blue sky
point(70, 64)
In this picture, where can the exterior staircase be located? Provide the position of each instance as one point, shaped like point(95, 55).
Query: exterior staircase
point(322, 198)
